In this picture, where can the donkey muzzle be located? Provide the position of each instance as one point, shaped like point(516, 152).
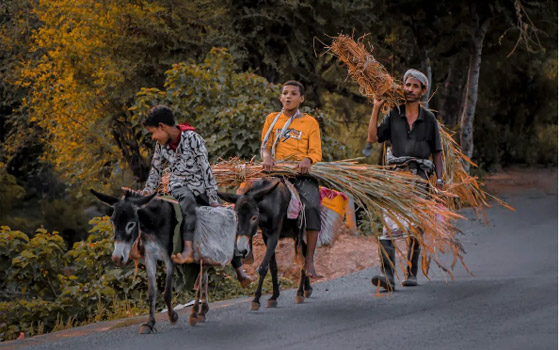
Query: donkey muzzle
point(117, 260)
point(243, 246)
point(120, 253)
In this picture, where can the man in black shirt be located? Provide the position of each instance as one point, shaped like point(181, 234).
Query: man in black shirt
point(414, 136)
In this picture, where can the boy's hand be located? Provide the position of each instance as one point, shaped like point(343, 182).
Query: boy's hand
point(304, 165)
point(147, 192)
point(268, 163)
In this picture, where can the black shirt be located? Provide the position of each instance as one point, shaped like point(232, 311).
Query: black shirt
point(420, 142)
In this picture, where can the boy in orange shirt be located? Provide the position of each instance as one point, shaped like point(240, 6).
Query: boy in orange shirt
point(292, 135)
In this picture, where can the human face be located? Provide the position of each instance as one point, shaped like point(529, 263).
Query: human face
point(291, 98)
point(413, 90)
point(159, 133)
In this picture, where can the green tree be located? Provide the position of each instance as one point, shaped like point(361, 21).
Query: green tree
point(227, 107)
point(92, 56)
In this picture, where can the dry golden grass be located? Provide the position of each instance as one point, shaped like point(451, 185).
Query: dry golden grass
point(372, 77)
point(378, 190)
point(464, 190)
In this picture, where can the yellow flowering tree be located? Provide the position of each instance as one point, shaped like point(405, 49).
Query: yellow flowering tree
point(90, 59)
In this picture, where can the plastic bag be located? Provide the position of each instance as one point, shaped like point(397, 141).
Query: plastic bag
point(333, 208)
point(214, 236)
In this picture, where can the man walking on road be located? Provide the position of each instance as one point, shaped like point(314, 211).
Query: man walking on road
point(414, 135)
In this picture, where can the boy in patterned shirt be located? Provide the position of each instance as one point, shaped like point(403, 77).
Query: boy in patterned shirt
point(190, 179)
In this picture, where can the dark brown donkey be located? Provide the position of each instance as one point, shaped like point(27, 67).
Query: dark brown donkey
point(143, 220)
point(265, 205)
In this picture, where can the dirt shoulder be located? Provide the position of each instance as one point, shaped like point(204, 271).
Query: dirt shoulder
point(518, 179)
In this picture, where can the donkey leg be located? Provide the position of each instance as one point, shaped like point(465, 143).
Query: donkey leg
point(300, 293)
point(307, 289)
point(193, 318)
point(169, 267)
point(148, 327)
point(255, 304)
point(272, 302)
point(307, 283)
point(263, 269)
point(204, 302)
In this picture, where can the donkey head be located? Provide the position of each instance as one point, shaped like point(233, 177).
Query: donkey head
point(125, 221)
point(247, 209)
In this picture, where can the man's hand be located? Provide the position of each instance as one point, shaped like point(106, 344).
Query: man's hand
point(268, 163)
point(304, 165)
point(378, 103)
point(372, 127)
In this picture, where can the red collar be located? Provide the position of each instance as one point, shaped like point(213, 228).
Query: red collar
point(182, 127)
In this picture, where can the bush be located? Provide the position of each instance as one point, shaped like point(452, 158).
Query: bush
point(44, 289)
point(543, 147)
point(50, 287)
point(10, 191)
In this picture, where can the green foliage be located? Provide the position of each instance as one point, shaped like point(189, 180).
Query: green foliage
point(228, 108)
point(84, 64)
point(543, 149)
point(50, 286)
point(36, 270)
point(10, 191)
point(44, 289)
point(523, 127)
point(12, 243)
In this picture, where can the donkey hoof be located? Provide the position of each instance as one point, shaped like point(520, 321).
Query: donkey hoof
point(193, 320)
point(271, 303)
point(255, 306)
point(173, 317)
point(307, 293)
point(201, 318)
point(145, 329)
point(299, 299)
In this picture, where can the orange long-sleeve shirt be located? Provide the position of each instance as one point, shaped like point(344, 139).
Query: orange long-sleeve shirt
point(302, 138)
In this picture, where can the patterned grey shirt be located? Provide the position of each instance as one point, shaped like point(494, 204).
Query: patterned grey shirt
point(188, 166)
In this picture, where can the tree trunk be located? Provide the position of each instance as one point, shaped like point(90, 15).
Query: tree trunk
point(123, 134)
point(471, 91)
point(428, 69)
point(449, 105)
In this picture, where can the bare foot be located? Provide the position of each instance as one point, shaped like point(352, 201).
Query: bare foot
point(244, 279)
point(310, 271)
point(185, 257)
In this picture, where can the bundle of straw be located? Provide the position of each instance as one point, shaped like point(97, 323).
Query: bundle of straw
point(375, 82)
point(465, 189)
point(378, 190)
point(372, 77)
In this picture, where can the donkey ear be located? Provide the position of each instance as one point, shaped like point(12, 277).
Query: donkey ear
point(229, 197)
point(110, 201)
point(143, 201)
point(258, 194)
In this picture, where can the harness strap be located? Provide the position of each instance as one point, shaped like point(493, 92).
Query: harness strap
point(136, 253)
point(280, 134)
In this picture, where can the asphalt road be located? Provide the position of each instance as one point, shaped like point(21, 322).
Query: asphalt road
point(510, 303)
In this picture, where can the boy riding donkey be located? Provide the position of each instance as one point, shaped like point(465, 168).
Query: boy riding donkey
point(190, 180)
point(292, 135)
